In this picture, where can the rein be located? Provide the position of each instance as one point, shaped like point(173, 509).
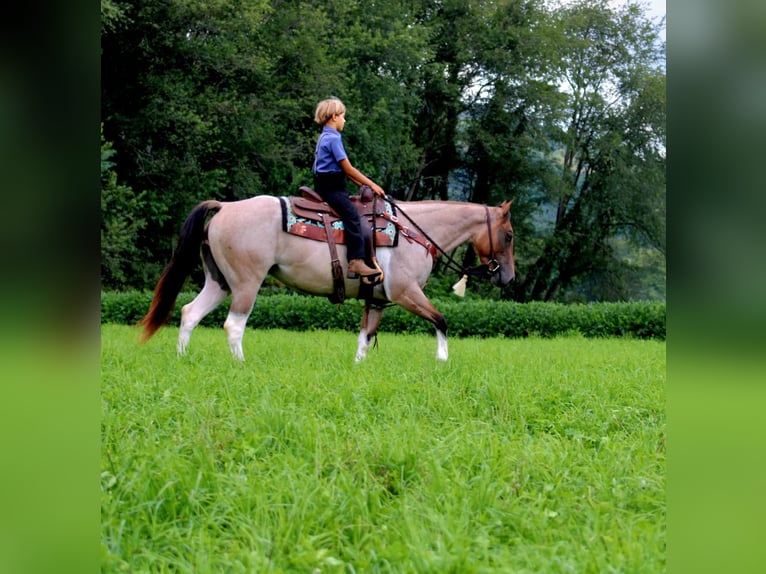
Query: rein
point(485, 269)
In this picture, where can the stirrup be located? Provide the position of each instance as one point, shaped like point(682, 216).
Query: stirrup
point(374, 278)
point(352, 275)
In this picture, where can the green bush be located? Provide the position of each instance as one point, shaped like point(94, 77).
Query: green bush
point(465, 318)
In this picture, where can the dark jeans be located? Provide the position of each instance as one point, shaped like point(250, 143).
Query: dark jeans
point(332, 188)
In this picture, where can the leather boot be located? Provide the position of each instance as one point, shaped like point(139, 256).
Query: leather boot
point(359, 267)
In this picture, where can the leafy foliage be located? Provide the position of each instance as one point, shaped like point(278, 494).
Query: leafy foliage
point(471, 318)
point(611, 131)
point(558, 106)
point(121, 221)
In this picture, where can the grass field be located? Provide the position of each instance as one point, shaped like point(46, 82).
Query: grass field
point(517, 455)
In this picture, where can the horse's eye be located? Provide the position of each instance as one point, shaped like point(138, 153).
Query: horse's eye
point(509, 237)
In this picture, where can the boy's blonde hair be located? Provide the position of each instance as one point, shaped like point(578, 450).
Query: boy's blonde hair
point(326, 109)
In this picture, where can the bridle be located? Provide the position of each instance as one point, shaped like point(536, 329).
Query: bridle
point(493, 265)
point(487, 270)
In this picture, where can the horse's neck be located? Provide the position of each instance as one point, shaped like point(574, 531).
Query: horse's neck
point(448, 223)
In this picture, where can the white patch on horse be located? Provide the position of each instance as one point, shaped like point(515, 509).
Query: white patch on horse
point(235, 330)
point(364, 345)
point(192, 313)
point(442, 353)
point(383, 255)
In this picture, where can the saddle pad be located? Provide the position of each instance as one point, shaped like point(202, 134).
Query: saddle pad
point(304, 226)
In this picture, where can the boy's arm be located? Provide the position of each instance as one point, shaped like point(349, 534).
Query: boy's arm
point(359, 178)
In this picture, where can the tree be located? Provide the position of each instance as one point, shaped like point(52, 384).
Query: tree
point(218, 101)
point(612, 145)
point(383, 48)
point(446, 73)
point(506, 130)
point(561, 109)
point(121, 222)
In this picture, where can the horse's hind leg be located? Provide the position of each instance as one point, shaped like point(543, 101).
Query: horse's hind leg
point(242, 302)
point(370, 322)
point(191, 314)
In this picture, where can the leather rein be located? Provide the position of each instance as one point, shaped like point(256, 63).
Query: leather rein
point(488, 269)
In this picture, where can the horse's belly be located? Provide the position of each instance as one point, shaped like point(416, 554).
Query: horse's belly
point(314, 284)
point(305, 265)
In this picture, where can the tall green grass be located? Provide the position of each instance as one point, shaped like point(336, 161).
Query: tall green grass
point(533, 455)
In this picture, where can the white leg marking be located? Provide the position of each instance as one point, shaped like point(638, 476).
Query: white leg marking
point(185, 330)
point(442, 353)
point(361, 350)
point(235, 330)
point(183, 343)
point(192, 313)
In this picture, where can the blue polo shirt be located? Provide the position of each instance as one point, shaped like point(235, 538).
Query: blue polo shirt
point(329, 152)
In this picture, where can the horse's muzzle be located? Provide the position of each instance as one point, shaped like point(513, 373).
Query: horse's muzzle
point(501, 278)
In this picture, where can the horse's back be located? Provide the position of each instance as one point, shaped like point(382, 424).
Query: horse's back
point(245, 216)
point(255, 207)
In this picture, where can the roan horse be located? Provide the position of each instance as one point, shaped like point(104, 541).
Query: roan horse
point(244, 241)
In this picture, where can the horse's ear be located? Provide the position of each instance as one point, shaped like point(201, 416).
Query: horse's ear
point(506, 205)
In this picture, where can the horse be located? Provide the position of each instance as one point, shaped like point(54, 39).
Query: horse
point(244, 241)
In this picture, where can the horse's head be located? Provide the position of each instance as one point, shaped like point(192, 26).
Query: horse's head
point(495, 246)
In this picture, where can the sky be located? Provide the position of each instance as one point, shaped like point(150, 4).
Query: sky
point(657, 7)
point(656, 11)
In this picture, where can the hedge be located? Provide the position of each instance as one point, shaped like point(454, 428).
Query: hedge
point(465, 317)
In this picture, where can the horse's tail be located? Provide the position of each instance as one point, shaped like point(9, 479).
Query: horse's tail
point(185, 258)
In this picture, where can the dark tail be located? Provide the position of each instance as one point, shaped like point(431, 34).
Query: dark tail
point(185, 259)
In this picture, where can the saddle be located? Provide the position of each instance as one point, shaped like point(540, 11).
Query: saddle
point(310, 217)
point(305, 216)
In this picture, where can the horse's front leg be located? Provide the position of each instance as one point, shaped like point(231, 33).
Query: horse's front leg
point(414, 300)
point(370, 321)
point(442, 351)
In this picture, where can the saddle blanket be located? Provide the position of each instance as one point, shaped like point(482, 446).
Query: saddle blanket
point(313, 227)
